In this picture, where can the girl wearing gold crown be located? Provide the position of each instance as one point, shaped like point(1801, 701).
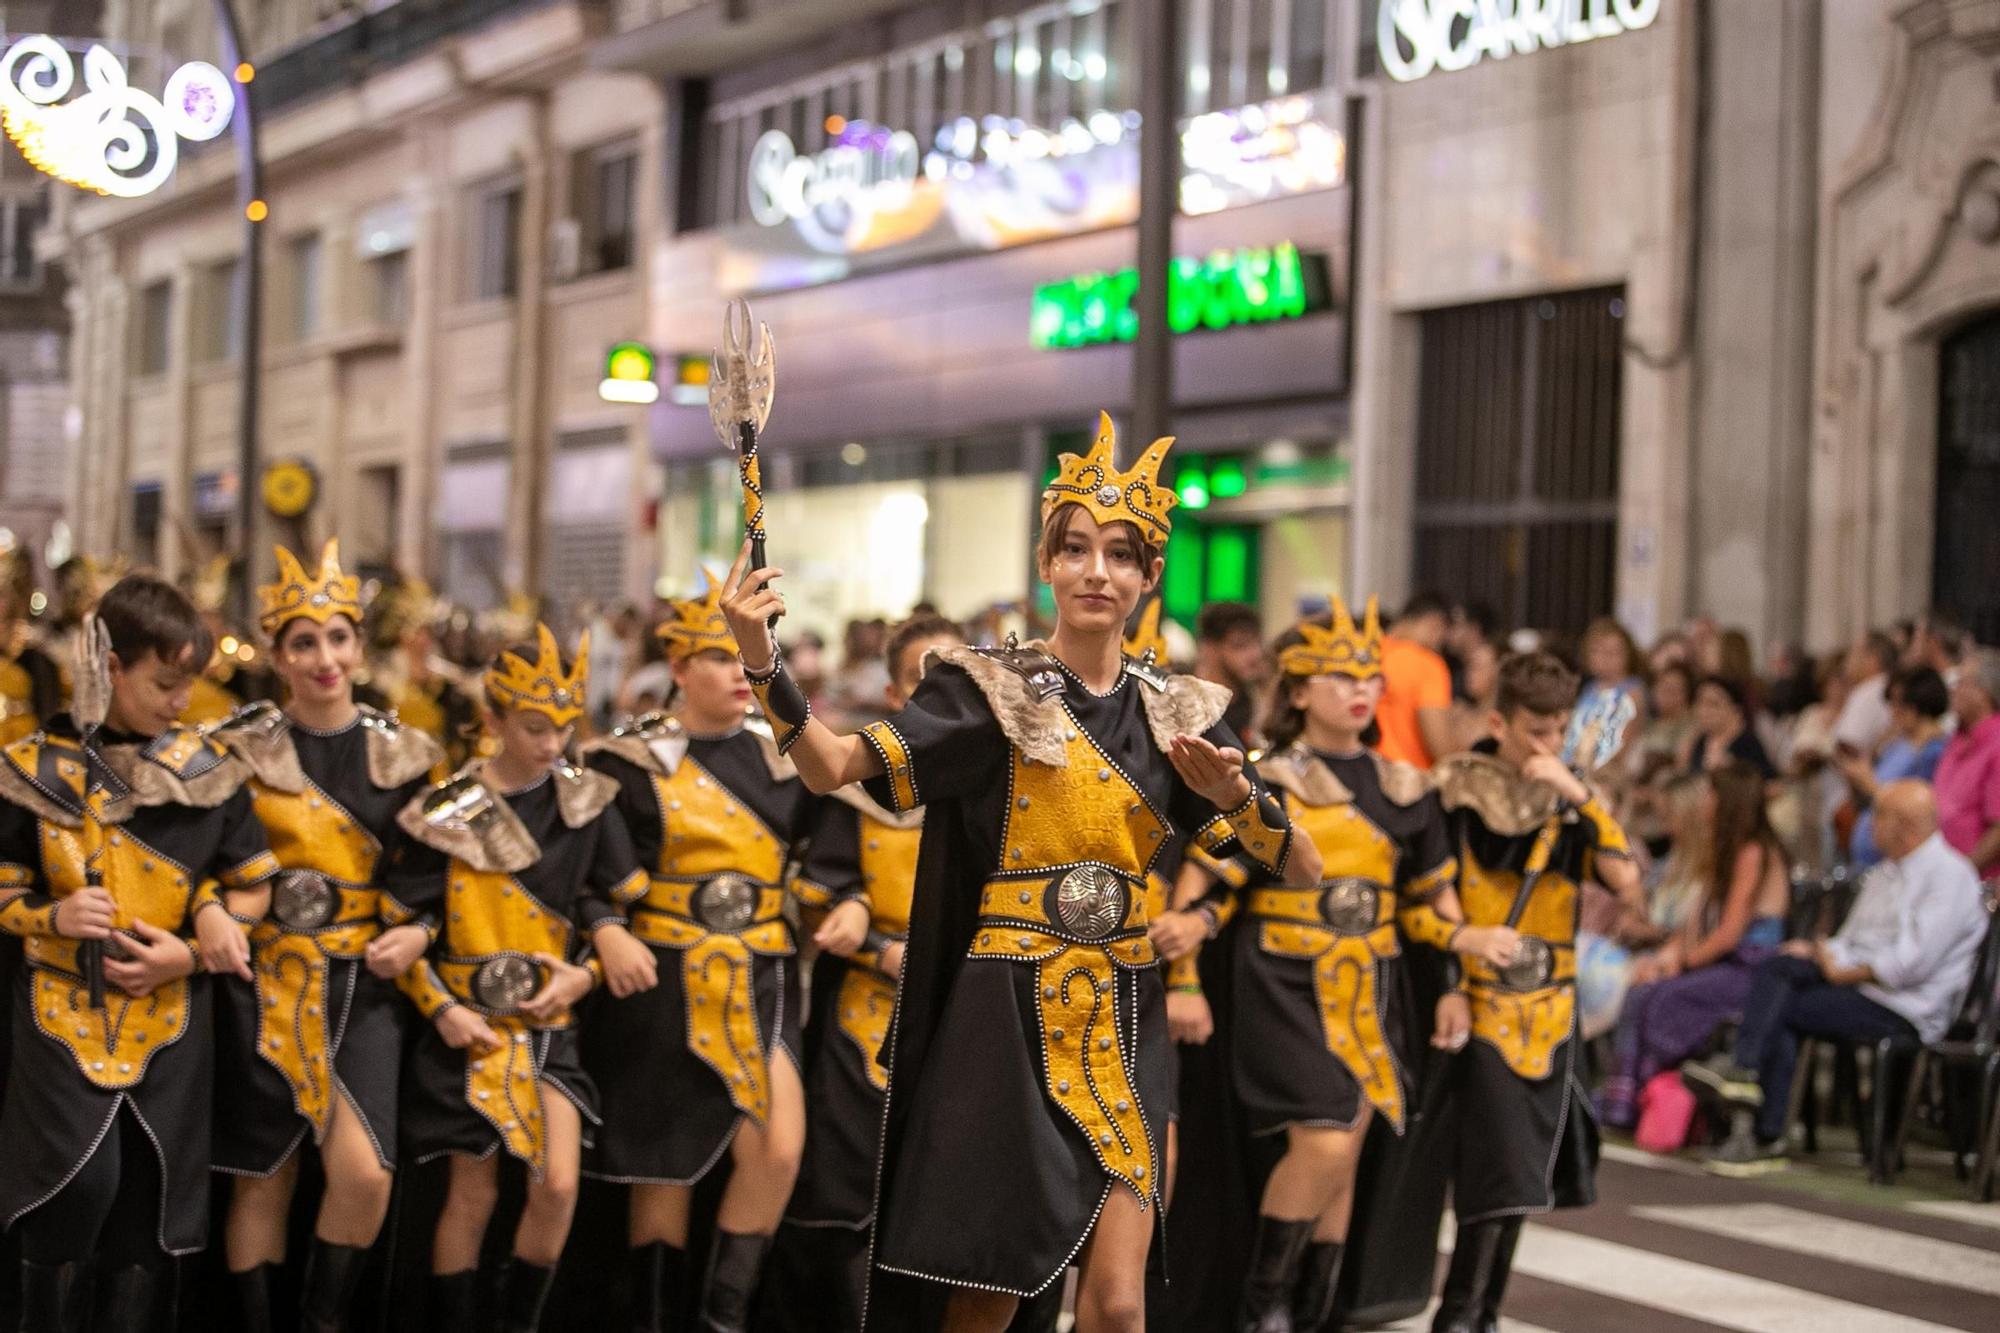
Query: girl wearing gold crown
point(715, 811)
point(1025, 1115)
point(309, 1051)
point(1315, 1051)
point(525, 870)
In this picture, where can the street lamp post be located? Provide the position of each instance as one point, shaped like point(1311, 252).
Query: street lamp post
point(1159, 200)
point(250, 199)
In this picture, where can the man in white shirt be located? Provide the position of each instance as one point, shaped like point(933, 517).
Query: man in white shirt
point(1864, 718)
point(1898, 967)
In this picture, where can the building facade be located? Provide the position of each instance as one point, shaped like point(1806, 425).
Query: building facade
point(1646, 307)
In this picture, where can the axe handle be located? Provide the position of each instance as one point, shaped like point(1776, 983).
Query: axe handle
point(746, 450)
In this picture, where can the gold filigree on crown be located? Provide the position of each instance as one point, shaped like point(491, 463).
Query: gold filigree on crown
point(541, 686)
point(1146, 636)
point(1340, 649)
point(321, 595)
point(697, 625)
point(1094, 481)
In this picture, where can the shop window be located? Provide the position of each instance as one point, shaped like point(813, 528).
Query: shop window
point(1518, 411)
point(1967, 544)
point(20, 218)
point(155, 326)
point(496, 241)
point(145, 517)
point(383, 236)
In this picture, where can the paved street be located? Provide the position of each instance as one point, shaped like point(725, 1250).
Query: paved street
point(1669, 1249)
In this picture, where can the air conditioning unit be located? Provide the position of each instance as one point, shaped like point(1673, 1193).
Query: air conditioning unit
point(565, 250)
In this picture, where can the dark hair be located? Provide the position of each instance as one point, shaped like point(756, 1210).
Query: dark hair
point(1730, 686)
point(1948, 630)
point(145, 615)
point(1882, 647)
point(1536, 683)
point(1681, 669)
point(528, 654)
point(1423, 604)
point(1218, 620)
point(1741, 820)
point(1285, 720)
point(1921, 690)
point(919, 627)
point(1481, 616)
point(1058, 525)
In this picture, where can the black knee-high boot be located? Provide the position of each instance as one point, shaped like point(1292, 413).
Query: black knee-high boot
point(54, 1297)
point(733, 1267)
point(1501, 1269)
point(138, 1298)
point(251, 1291)
point(1274, 1274)
point(455, 1301)
point(332, 1274)
point(656, 1271)
point(1481, 1248)
point(524, 1290)
point(1319, 1284)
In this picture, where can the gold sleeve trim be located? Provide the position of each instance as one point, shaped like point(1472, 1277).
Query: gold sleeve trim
point(895, 762)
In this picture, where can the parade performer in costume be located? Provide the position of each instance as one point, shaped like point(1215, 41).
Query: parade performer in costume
point(408, 677)
point(1025, 1107)
point(1529, 834)
point(525, 871)
point(126, 844)
point(233, 674)
point(30, 681)
point(310, 1051)
point(715, 811)
point(1316, 1051)
point(860, 871)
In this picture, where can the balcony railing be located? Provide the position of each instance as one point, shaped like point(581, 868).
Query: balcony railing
point(371, 42)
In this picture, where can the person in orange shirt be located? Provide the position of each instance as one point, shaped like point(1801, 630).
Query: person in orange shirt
point(1415, 712)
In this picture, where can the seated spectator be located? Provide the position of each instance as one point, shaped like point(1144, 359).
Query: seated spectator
point(1917, 705)
point(1653, 754)
point(1968, 776)
point(1940, 643)
point(1804, 811)
point(1864, 718)
point(1698, 980)
point(1897, 968)
point(1608, 937)
point(1722, 733)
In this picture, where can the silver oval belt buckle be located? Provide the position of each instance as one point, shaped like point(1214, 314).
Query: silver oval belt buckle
point(303, 900)
point(726, 904)
point(1534, 964)
point(502, 984)
point(1090, 902)
point(1350, 904)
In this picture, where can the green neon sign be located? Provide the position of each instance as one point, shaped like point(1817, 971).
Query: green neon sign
point(1228, 289)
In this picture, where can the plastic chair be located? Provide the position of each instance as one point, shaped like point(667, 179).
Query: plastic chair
point(1973, 1041)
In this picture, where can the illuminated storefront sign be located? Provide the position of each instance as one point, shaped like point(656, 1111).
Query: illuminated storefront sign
point(111, 138)
point(1228, 289)
point(1416, 37)
point(628, 375)
point(874, 196)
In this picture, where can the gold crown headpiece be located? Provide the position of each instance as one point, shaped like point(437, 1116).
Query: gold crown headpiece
point(321, 595)
point(1340, 649)
point(541, 685)
point(1111, 496)
point(697, 624)
point(1146, 635)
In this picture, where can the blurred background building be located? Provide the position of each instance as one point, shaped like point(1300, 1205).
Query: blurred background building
point(1632, 306)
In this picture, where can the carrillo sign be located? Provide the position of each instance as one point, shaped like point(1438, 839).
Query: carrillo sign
point(1417, 37)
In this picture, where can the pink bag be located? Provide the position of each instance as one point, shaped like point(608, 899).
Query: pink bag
point(1666, 1113)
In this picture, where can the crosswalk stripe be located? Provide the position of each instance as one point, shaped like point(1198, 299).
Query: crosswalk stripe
point(1940, 1262)
point(1728, 1300)
point(1960, 1210)
point(1652, 1161)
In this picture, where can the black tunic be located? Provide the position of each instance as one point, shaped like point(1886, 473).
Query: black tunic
point(342, 825)
point(578, 878)
point(161, 862)
point(987, 1178)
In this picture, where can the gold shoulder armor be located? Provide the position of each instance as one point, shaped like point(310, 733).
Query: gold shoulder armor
point(464, 818)
point(582, 794)
point(397, 753)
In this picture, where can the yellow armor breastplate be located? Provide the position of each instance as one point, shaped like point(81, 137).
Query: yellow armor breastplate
point(1525, 1027)
point(889, 873)
point(17, 703)
point(705, 832)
